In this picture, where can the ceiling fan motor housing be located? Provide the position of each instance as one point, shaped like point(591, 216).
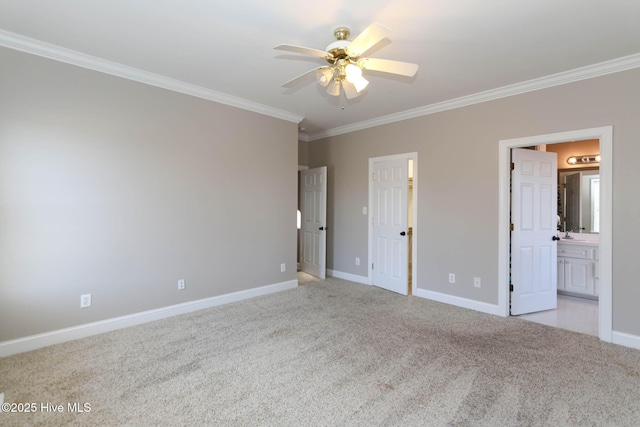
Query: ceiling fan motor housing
point(338, 49)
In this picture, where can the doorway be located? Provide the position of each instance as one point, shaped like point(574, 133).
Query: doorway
point(392, 236)
point(312, 240)
point(573, 313)
point(605, 136)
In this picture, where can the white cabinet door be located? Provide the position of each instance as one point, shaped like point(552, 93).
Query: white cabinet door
point(578, 269)
point(561, 274)
point(578, 276)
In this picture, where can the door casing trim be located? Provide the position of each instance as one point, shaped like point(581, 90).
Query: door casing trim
point(605, 136)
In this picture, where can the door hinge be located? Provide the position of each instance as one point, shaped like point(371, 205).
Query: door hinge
point(511, 227)
point(373, 176)
point(372, 266)
point(513, 166)
point(510, 287)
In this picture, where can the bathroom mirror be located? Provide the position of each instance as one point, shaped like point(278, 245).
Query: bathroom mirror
point(579, 200)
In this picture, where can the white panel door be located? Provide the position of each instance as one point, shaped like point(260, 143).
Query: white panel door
point(534, 217)
point(313, 194)
point(390, 225)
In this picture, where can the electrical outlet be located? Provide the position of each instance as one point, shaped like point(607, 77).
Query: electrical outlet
point(85, 300)
point(357, 261)
point(477, 282)
point(283, 267)
point(181, 284)
point(452, 278)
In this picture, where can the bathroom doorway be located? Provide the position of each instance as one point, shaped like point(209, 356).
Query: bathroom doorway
point(605, 137)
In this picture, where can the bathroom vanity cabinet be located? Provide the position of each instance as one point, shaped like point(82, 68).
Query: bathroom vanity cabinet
point(578, 268)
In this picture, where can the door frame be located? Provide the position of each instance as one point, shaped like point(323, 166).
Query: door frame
point(414, 254)
point(605, 136)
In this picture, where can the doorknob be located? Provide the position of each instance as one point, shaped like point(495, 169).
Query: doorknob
point(555, 238)
point(321, 228)
point(402, 233)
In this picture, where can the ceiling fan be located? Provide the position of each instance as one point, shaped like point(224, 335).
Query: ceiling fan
point(344, 72)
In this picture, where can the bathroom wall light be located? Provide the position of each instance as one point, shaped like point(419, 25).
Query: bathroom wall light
point(584, 160)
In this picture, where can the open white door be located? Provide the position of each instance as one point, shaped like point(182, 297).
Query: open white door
point(390, 225)
point(313, 210)
point(534, 217)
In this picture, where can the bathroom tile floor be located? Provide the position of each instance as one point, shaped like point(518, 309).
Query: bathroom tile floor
point(574, 314)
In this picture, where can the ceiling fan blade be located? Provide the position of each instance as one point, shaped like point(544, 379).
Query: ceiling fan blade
point(367, 39)
point(294, 81)
point(305, 50)
point(388, 66)
point(349, 89)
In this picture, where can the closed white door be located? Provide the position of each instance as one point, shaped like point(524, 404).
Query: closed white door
point(390, 225)
point(534, 218)
point(313, 211)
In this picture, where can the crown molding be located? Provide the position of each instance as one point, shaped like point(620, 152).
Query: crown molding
point(596, 70)
point(303, 137)
point(57, 53)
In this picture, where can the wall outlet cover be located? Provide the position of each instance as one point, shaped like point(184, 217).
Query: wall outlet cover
point(85, 300)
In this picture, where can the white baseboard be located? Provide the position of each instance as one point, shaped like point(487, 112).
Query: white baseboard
point(33, 342)
point(625, 339)
point(348, 276)
point(422, 293)
point(619, 338)
point(459, 302)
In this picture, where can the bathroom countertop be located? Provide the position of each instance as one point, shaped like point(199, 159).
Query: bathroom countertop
point(579, 242)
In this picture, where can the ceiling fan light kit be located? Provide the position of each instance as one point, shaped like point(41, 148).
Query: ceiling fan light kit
point(343, 75)
point(324, 76)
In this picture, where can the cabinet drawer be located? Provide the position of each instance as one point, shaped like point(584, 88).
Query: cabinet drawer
point(576, 251)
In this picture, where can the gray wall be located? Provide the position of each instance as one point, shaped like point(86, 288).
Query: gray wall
point(119, 189)
point(303, 153)
point(458, 184)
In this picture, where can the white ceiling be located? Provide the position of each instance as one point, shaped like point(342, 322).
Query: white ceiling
point(463, 47)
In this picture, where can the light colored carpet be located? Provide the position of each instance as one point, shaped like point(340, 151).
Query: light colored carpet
point(331, 353)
